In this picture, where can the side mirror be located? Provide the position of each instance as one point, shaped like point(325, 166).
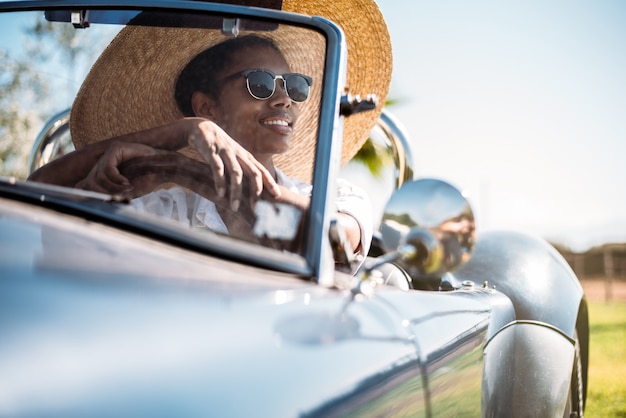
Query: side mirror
point(430, 225)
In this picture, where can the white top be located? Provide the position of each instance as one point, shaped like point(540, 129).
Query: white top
point(192, 210)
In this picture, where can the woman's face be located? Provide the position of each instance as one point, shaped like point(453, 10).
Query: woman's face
point(263, 127)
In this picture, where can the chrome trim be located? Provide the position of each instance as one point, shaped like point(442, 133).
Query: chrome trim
point(46, 146)
point(398, 142)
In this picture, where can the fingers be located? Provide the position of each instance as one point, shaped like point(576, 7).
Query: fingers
point(262, 180)
point(270, 184)
point(105, 176)
point(215, 162)
point(99, 180)
point(230, 164)
point(236, 181)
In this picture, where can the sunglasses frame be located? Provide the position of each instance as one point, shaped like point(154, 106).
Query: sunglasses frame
point(283, 77)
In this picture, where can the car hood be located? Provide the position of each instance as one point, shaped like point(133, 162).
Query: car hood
point(98, 321)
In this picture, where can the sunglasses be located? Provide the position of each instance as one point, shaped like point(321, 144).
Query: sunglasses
point(262, 84)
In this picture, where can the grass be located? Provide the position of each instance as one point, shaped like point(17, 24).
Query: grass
point(606, 395)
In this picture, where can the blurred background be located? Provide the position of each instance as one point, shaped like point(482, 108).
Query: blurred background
point(523, 106)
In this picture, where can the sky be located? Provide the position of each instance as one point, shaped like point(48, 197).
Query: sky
point(520, 104)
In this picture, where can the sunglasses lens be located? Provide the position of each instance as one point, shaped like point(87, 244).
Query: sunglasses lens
point(261, 84)
point(297, 87)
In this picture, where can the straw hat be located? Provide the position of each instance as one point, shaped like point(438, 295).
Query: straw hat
point(131, 85)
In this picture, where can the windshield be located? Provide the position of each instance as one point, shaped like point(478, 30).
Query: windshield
point(204, 122)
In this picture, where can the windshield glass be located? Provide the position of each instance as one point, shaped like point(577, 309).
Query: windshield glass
point(207, 123)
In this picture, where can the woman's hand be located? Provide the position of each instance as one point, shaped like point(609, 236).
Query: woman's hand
point(230, 163)
point(105, 176)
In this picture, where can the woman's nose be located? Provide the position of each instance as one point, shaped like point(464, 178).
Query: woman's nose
point(280, 97)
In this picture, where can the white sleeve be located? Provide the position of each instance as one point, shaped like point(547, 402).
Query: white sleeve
point(206, 215)
point(187, 208)
point(165, 203)
point(353, 201)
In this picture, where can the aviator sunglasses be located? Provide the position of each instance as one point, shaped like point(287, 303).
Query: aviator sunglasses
point(262, 84)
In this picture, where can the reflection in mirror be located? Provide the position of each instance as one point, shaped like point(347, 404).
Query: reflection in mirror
point(436, 219)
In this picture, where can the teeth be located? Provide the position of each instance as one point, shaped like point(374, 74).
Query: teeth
point(276, 122)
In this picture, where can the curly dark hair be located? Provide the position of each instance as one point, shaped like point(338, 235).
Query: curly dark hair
point(202, 72)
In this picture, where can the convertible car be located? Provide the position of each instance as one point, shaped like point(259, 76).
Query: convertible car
point(110, 309)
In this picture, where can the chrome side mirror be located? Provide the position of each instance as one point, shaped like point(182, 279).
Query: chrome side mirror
point(430, 225)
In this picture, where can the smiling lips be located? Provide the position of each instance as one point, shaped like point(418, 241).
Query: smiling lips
point(281, 122)
point(282, 125)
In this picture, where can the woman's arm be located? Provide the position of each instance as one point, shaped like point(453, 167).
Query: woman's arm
point(95, 166)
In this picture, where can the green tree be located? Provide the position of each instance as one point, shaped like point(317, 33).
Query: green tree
point(375, 155)
point(16, 123)
point(25, 99)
